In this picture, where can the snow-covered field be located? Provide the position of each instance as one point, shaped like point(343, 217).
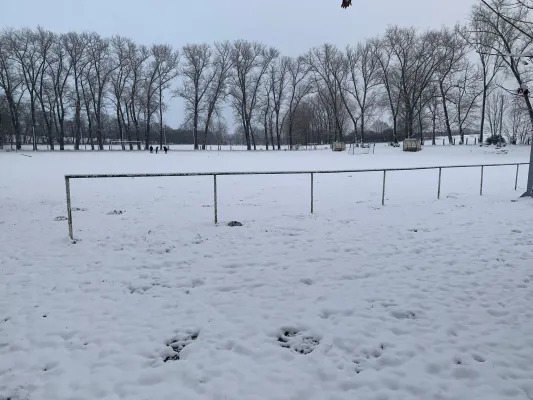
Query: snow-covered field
point(420, 299)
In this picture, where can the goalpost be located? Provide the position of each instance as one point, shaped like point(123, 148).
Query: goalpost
point(361, 148)
point(126, 143)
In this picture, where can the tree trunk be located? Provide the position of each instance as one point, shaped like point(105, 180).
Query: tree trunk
point(362, 126)
point(160, 118)
point(247, 137)
point(433, 142)
point(15, 121)
point(195, 128)
point(421, 127)
point(119, 125)
point(278, 133)
point(127, 124)
point(483, 110)
point(33, 120)
point(252, 134)
point(271, 130)
point(446, 117)
point(99, 131)
point(77, 124)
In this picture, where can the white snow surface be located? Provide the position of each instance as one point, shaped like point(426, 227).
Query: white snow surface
point(420, 299)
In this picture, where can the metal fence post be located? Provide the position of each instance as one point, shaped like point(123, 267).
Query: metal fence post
point(440, 175)
point(215, 198)
point(516, 179)
point(312, 192)
point(69, 208)
point(383, 191)
point(481, 183)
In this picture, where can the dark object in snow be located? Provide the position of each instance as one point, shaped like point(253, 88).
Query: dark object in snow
point(495, 140)
point(234, 223)
point(346, 3)
point(297, 342)
point(179, 344)
point(79, 209)
point(61, 218)
point(115, 212)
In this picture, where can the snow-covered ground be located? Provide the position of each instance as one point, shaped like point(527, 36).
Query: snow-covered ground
point(420, 299)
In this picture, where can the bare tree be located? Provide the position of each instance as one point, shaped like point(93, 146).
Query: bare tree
point(453, 53)
point(491, 64)
point(390, 80)
point(137, 55)
point(465, 95)
point(265, 104)
point(45, 90)
point(60, 70)
point(326, 64)
point(162, 69)
point(417, 58)
point(434, 111)
point(168, 70)
point(11, 82)
point(506, 22)
point(496, 107)
point(119, 80)
point(217, 91)
point(299, 86)
point(250, 61)
point(100, 67)
point(277, 86)
point(27, 52)
point(75, 46)
point(198, 75)
point(363, 78)
point(516, 125)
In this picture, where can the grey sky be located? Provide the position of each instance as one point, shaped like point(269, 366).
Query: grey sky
point(293, 26)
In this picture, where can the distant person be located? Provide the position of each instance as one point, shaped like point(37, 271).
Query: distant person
point(165, 148)
point(151, 149)
point(156, 149)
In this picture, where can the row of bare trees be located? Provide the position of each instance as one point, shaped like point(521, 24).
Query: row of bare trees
point(406, 82)
point(83, 76)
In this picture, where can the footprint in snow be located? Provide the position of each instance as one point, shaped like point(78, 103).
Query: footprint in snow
point(116, 212)
point(176, 345)
point(403, 314)
point(297, 341)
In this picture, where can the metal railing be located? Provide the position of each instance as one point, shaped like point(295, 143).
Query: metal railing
point(310, 173)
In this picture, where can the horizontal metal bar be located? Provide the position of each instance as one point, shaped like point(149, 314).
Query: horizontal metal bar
point(351, 171)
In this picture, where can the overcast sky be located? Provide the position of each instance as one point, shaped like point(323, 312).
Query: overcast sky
point(293, 26)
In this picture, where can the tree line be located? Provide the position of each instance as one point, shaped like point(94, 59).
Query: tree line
point(82, 88)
